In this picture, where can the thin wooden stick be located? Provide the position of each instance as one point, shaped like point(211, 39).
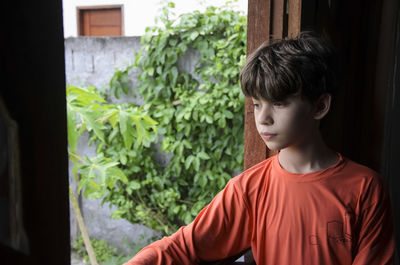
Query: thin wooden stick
point(82, 227)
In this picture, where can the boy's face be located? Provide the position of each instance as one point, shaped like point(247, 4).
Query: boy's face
point(290, 123)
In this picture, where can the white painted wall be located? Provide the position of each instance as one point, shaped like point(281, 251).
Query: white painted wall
point(137, 14)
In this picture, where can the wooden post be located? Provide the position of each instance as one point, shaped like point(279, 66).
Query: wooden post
point(258, 21)
point(277, 18)
point(294, 24)
point(82, 227)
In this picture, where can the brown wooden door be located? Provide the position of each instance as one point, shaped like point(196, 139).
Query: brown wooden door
point(100, 22)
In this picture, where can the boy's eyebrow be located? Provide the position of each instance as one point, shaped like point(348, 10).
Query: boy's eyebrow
point(274, 101)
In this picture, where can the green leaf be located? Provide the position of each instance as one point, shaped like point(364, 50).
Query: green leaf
point(221, 183)
point(99, 147)
point(73, 134)
point(93, 186)
point(203, 46)
point(134, 185)
point(194, 35)
point(197, 208)
point(75, 169)
point(125, 129)
point(112, 117)
point(92, 190)
point(203, 155)
point(150, 71)
point(188, 161)
point(117, 173)
point(187, 115)
point(228, 114)
point(208, 119)
point(182, 47)
point(123, 159)
point(78, 97)
point(173, 42)
point(174, 72)
point(176, 209)
point(196, 164)
point(203, 181)
point(140, 129)
point(90, 120)
point(222, 122)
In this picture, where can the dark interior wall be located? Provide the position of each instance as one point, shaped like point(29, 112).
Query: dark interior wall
point(391, 147)
point(355, 126)
point(33, 88)
point(364, 123)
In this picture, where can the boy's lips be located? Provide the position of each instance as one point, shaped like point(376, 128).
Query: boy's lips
point(267, 136)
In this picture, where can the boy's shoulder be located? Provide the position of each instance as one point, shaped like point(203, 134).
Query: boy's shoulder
point(367, 179)
point(354, 169)
point(255, 175)
point(258, 168)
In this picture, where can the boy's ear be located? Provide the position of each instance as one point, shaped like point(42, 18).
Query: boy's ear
point(322, 106)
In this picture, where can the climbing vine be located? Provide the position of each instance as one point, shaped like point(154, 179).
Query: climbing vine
point(196, 119)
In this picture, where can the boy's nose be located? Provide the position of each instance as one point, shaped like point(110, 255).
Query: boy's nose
point(265, 117)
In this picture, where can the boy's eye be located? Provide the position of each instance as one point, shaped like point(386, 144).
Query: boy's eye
point(279, 104)
point(256, 103)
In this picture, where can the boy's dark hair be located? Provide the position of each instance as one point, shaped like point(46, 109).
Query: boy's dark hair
point(282, 68)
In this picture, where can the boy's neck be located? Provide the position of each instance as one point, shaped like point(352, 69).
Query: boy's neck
point(312, 156)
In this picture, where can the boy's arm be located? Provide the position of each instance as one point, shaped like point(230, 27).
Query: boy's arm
point(376, 240)
point(222, 229)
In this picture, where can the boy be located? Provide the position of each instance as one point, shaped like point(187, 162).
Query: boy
point(305, 205)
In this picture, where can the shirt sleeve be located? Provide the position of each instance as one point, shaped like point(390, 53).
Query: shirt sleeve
point(376, 239)
point(222, 229)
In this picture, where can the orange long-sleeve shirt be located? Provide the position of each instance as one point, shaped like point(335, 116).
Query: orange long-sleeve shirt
point(340, 215)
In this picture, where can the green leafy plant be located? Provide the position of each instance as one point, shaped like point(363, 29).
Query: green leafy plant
point(108, 255)
point(200, 113)
point(103, 251)
point(115, 128)
point(119, 259)
point(195, 118)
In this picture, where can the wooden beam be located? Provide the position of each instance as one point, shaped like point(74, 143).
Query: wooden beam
point(258, 21)
point(294, 24)
point(277, 16)
point(258, 31)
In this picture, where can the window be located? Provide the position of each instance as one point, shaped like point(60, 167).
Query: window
point(100, 21)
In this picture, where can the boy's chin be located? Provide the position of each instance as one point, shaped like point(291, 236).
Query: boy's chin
point(273, 146)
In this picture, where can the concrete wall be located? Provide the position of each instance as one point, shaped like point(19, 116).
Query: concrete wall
point(91, 61)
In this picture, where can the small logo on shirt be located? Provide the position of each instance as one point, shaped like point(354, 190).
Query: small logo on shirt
point(336, 230)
